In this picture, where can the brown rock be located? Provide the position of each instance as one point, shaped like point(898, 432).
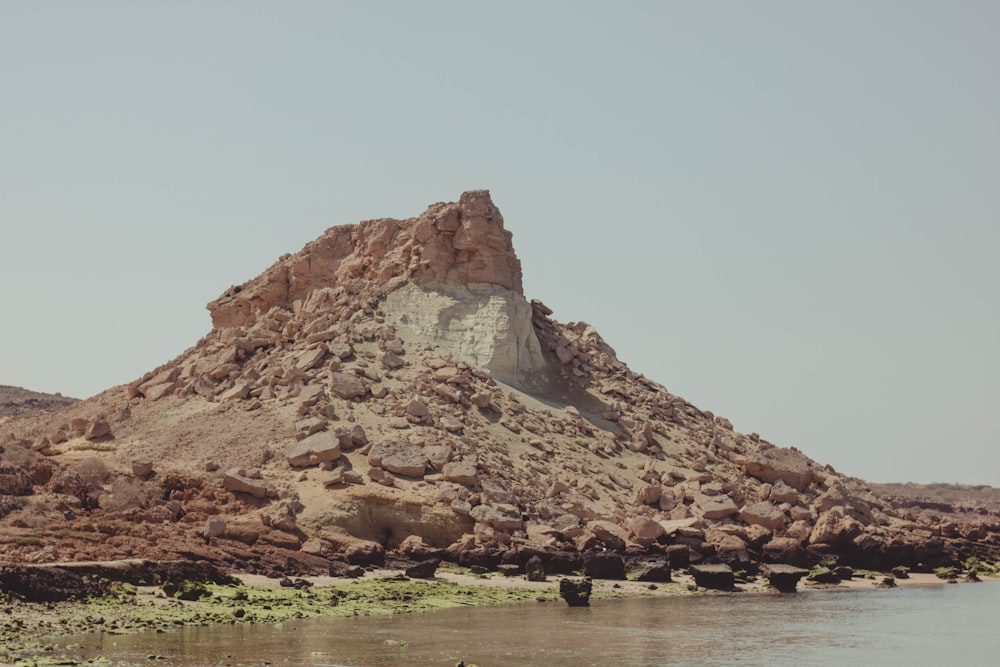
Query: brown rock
point(778, 463)
point(763, 514)
point(501, 517)
point(318, 447)
point(234, 481)
point(100, 428)
point(391, 361)
point(834, 528)
point(399, 457)
point(460, 472)
point(142, 467)
point(347, 386)
point(715, 507)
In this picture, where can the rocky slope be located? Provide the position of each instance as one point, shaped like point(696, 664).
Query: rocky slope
point(18, 402)
point(388, 392)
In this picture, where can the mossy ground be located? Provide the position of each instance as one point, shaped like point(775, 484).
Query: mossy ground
point(27, 629)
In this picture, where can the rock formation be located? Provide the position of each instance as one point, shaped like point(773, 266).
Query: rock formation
point(389, 393)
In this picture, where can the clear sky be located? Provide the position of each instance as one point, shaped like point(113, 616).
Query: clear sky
point(786, 212)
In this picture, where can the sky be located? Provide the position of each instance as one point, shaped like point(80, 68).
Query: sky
point(786, 212)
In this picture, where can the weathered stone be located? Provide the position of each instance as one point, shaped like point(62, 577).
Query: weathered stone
point(764, 514)
point(391, 361)
point(342, 351)
point(158, 391)
point(308, 426)
point(715, 507)
point(610, 533)
point(534, 569)
point(321, 446)
point(718, 577)
point(438, 456)
point(234, 481)
point(99, 429)
point(452, 425)
point(786, 550)
point(347, 386)
point(417, 409)
point(311, 394)
point(501, 517)
point(645, 528)
point(784, 577)
point(509, 569)
point(399, 457)
point(778, 463)
point(650, 568)
point(142, 466)
point(833, 528)
point(358, 436)
point(215, 526)
point(576, 592)
point(606, 565)
point(460, 472)
point(783, 493)
point(423, 570)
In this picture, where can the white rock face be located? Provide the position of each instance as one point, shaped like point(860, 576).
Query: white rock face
point(485, 325)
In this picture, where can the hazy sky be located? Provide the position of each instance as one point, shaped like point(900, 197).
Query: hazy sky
point(786, 212)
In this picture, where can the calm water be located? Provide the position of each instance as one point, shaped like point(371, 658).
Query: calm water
point(947, 624)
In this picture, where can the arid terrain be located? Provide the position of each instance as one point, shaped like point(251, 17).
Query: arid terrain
point(18, 402)
point(388, 395)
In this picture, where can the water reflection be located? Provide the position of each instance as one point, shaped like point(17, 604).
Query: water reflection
point(913, 626)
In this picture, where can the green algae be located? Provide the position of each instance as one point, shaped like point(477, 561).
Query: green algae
point(148, 609)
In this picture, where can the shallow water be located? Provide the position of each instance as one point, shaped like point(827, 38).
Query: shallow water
point(915, 626)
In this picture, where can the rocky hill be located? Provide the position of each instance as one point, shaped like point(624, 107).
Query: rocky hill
point(389, 393)
point(18, 402)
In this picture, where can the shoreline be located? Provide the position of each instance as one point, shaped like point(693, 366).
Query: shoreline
point(30, 631)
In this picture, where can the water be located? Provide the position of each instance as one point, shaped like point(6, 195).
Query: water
point(930, 625)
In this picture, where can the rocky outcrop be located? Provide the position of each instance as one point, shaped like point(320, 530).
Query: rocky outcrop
point(388, 393)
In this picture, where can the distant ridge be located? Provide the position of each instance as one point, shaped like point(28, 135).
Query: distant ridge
point(20, 402)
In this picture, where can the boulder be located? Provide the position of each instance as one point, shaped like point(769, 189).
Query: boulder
point(764, 514)
point(401, 458)
point(717, 577)
point(534, 569)
point(784, 577)
point(423, 570)
point(770, 464)
point(834, 528)
point(576, 592)
point(391, 361)
point(502, 517)
point(650, 568)
point(233, 480)
point(318, 447)
point(605, 565)
point(610, 533)
point(678, 555)
point(644, 528)
point(99, 429)
point(347, 386)
point(783, 493)
point(715, 507)
point(215, 526)
point(786, 550)
point(142, 466)
point(460, 472)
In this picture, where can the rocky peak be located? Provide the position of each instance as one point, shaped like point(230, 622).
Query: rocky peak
point(456, 243)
